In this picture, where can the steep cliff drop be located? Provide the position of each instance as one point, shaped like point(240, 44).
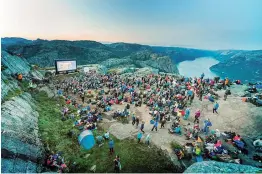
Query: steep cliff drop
point(21, 146)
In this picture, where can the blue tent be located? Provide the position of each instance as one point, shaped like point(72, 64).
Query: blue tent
point(259, 86)
point(86, 139)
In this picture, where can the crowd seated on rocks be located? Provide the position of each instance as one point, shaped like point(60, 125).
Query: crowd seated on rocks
point(165, 96)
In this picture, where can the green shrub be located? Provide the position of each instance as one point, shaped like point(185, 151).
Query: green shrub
point(6, 81)
point(176, 145)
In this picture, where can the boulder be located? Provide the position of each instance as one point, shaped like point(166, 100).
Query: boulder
point(220, 167)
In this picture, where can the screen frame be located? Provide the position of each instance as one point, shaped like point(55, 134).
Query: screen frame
point(67, 71)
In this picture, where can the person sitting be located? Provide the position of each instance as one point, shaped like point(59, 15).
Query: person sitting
point(99, 140)
point(238, 82)
point(107, 108)
point(197, 151)
point(237, 138)
point(106, 136)
point(252, 89)
point(237, 141)
point(258, 143)
point(179, 153)
point(176, 130)
point(189, 134)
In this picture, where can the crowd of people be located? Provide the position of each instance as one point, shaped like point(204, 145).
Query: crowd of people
point(167, 97)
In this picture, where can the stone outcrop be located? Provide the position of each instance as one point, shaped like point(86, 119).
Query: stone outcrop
point(13, 65)
point(219, 167)
point(21, 146)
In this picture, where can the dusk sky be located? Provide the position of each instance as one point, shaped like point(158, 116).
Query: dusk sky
point(207, 24)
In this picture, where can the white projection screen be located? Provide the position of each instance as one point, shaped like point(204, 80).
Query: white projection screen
point(65, 65)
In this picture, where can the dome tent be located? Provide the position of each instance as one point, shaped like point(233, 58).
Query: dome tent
point(86, 139)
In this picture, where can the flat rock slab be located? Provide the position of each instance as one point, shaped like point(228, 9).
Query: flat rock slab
point(220, 167)
point(233, 114)
point(122, 131)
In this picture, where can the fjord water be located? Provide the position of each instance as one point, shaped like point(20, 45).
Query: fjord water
point(198, 66)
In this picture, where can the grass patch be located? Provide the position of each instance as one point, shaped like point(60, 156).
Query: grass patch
point(6, 81)
point(113, 70)
point(12, 94)
point(134, 157)
point(24, 84)
point(176, 145)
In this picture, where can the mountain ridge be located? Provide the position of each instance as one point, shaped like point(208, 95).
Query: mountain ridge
point(44, 52)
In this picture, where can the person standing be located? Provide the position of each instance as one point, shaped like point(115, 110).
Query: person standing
point(148, 139)
point(200, 93)
point(137, 121)
point(187, 114)
point(207, 124)
point(139, 136)
point(216, 106)
point(142, 127)
point(197, 115)
point(202, 76)
point(227, 92)
point(163, 122)
point(133, 119)
point(155, 126)
point(117, 165)
point(111, 146)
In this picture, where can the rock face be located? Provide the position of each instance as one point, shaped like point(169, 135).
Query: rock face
point(21, 146)
point(219, 167)
point(13, 65)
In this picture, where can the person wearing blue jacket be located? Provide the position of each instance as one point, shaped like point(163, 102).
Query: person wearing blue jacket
point(202, 75)
point(216, 106)
point(111, 146)
point(139, 136)
point(155, 125)
point(207, 124)
point(189, 94)
point(187, 114)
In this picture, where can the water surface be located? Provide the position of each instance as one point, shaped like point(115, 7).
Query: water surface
point(198, 66)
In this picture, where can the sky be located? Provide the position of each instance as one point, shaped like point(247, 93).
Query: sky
point(206, 24)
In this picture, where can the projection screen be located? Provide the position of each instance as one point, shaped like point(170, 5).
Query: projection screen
point(65, 65)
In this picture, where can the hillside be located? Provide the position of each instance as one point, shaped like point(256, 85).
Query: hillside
point(8, 41)
point(178, 54)
point(243, 65)
point(126, 55)
point(43, 53)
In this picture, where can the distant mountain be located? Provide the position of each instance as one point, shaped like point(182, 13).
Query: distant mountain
point(7, 41)
point(243, 65)
point(178, 54)
point(237, 64)
point(44, 52)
